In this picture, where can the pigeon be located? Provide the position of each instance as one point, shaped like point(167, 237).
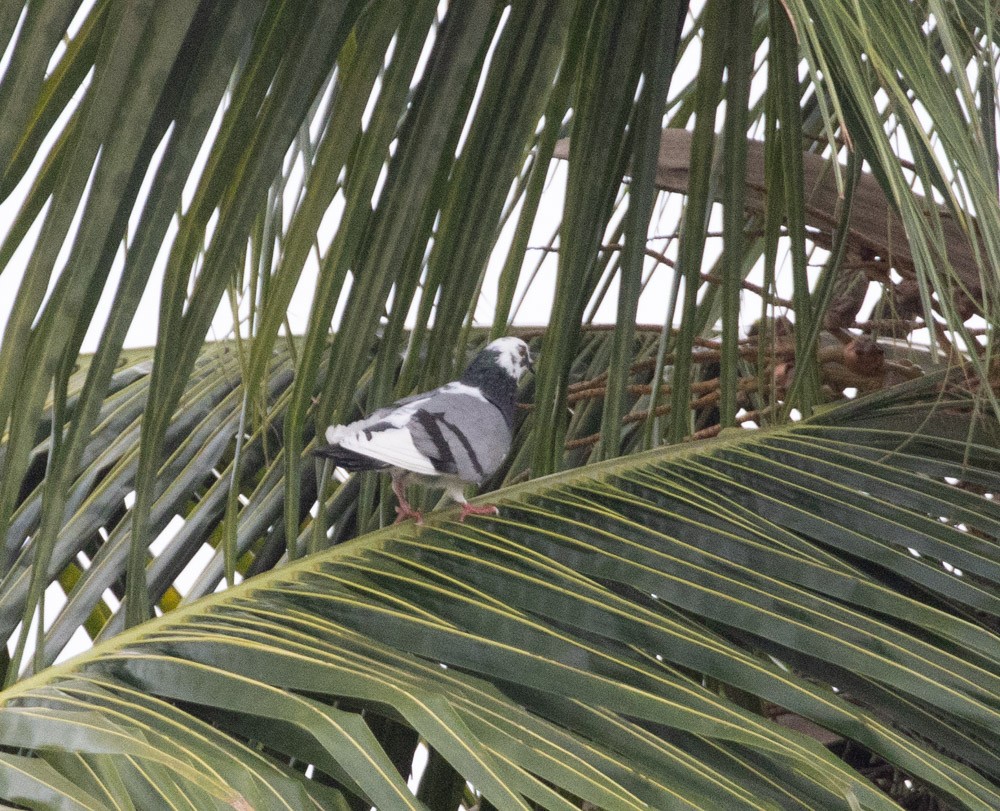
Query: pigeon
point(451, 436)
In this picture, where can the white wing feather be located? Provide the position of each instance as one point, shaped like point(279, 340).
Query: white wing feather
point(394, 446)
point(398, 417)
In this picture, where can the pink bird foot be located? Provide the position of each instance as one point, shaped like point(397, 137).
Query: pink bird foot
point(404, 512)
point(474, 509)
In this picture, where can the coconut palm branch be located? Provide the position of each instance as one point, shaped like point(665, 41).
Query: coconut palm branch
point(659, 622)
point(711, 624)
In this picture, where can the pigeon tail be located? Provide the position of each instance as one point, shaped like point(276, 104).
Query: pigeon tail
point(349, 460)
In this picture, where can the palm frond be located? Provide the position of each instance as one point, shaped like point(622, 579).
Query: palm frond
point(387, 168)
point(619, 631)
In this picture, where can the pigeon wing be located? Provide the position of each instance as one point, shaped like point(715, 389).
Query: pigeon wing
point(389, 446)
point(378, 441)
point(462, 432)
point(453, 430)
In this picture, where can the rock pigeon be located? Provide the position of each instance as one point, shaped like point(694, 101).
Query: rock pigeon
point(451, 436)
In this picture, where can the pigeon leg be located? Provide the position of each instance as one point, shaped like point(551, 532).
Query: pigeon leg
point(404, 510)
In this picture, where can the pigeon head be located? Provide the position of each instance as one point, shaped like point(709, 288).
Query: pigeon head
point(509, 355)
point(496, 370)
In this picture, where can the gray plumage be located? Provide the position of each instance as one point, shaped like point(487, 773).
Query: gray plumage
point(454, 435)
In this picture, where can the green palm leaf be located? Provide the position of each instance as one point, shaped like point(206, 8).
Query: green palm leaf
point(614, 636)
point(665, 630)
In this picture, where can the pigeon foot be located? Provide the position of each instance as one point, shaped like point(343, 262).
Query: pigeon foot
point(477, 509)
point(403, 513)
point(404, 510)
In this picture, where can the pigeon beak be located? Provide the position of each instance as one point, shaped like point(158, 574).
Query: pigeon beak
point(531, 362)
